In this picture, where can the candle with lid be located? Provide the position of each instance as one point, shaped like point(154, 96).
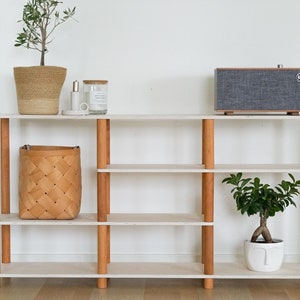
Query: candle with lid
point(95, 94)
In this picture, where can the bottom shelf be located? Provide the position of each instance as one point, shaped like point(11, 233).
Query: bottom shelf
point(49, 270)
point(240, 271)
point(143, 270)
point(195, 270)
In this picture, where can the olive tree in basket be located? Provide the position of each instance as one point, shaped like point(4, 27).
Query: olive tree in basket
point(40, 19)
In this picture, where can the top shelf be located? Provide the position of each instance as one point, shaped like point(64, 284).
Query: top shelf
point(145, 117)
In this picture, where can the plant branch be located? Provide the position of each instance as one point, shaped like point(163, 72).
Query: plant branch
point(263, 230)
point(40, 19)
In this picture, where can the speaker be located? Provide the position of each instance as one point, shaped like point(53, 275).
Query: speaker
point(257, 90)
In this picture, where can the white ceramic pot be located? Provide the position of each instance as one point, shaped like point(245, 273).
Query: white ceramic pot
point(264, 257)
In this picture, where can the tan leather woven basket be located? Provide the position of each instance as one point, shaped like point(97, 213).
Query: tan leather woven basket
point(49, 182)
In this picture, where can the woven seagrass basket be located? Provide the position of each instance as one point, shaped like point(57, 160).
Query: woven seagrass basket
point(49, 182)
point(38, 89)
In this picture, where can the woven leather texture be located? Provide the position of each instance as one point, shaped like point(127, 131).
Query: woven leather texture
point(49, 182)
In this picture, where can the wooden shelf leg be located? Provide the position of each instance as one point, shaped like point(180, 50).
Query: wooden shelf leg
point(208, 283)
point(209, 257)
point(5, 189)
point(208, 200)
point(102, 256)
point(103, 198)
point(107, 182)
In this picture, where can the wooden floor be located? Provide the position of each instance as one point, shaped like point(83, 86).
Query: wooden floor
point(148, 289)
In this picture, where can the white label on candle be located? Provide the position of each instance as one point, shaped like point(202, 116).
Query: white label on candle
point(97, 98)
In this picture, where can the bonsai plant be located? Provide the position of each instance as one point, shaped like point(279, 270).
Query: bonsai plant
point(254, 197)
point(38, 88)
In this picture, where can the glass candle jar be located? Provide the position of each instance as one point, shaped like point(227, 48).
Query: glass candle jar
point(95, 94)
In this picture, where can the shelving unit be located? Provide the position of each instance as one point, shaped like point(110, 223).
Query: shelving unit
point(103, 219)
point(104, 169)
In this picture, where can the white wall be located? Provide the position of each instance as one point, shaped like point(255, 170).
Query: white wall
point(159, 57)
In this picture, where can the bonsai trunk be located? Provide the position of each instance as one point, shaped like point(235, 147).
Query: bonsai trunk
point(262, 230)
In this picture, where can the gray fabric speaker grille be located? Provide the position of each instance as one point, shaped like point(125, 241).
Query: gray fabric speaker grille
point(257, 89)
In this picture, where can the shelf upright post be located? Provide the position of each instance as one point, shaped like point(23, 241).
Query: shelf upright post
point(5, 188)
point(103, 198)
point(208, 200)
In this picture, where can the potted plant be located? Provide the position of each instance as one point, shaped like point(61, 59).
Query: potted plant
point(254, 197)
point(39, 87)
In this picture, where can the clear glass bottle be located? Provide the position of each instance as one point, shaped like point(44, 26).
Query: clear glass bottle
point(95, 94)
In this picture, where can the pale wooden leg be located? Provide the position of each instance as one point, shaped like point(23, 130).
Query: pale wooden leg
point(103, 198)
point(102, 255)
point(108, 186)
point(208, 200)
point(208, 283)
point(5, 188)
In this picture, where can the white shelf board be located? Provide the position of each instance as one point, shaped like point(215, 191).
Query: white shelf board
point(157, 219)
point(115, 270)
point(240, 271)
point(142, 270)
point(155, 117)
point(114, 219)
point(117, 117)
point(153, 168)
point(81, 220)
point(255, 168)
point(199, 168)
point(258, 116)
point(195, 270)
point(49, 270)
point(154, 270)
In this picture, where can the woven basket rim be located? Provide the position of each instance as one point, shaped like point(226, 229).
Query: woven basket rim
point(49, 147)
point(38, 150)
point(37, 67)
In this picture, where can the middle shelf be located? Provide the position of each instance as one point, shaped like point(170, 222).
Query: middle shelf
point(114, 219)
point(200, 168)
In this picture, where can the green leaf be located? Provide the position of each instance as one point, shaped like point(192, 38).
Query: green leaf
point(254, 197)
point(40, 19)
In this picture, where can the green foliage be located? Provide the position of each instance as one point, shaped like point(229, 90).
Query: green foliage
point(40, 19)
point(253, 197)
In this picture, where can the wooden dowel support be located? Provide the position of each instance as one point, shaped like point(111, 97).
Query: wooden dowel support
point(208, 200)
point(208, 283)
point(5, 188)
point(103, 198)
point(208, 143)
point(102, 255)
point(5, 167)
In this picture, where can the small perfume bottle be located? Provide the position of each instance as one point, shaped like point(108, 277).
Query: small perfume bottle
point(77, 108)
point(75, 97)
